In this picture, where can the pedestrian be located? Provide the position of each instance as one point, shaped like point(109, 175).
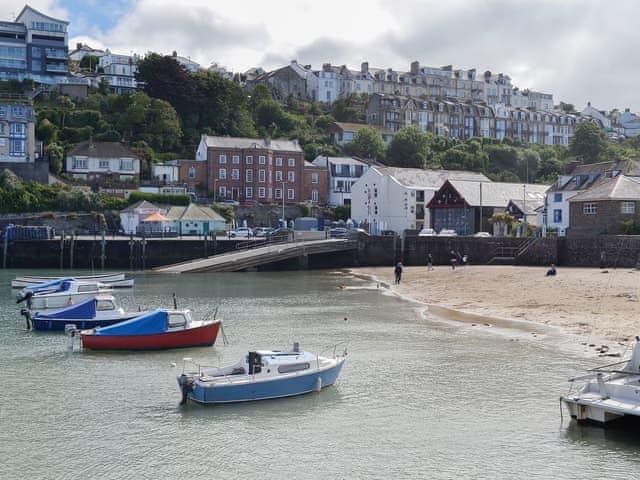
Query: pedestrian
point(465, 260)
point(552, 271)
point(453, 259)
point(398, 272)
point(429, 262)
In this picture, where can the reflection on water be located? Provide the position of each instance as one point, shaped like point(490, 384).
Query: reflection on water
point(416, 399)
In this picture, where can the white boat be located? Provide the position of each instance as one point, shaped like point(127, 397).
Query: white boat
point(262, 375)
point(60, 293)
point(611, 392)
point(29, 280)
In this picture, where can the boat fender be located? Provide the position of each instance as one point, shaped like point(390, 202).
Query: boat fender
point(318, 384)
point(186, 386)
point(26, 313)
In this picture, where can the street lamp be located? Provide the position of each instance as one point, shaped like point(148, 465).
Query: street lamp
point(215, 181)
point(284, 223)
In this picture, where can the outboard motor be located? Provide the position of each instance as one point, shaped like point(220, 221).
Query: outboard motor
point(187, 385)
point(26, 313)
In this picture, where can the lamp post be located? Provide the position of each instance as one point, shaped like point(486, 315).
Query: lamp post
point(284, 222)
point(215, 181)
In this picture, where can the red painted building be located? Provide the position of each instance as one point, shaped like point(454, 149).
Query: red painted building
point(249, 170)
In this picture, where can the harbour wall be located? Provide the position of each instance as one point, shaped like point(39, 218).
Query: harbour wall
point(137, 254)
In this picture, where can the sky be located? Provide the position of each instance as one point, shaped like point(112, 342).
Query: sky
point(579, 50)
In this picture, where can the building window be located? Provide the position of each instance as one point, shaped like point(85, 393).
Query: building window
point(235, 174)
point(249, 192)
point(235, 159)
point(278, 175)
point(126, 164)
point(314, 195)
point(557, 216)
point(192, 172)
point(261, 175)
point(104, 164)
point(249, 175)
point(628, 207)
point(557, 197)
point(590, 208)
point(262, 160)
point(278, 161)
point(292, 162)
point(248, 160)
point(222, 191)
point(17, 110)
point(222, 173)
point(314, 177)
point(291, 177)
point(291, 194)
point(278, 194)
point(261, 192)
point(222, 159)
point(79, 164)
point(17, 129)
point(16, 147)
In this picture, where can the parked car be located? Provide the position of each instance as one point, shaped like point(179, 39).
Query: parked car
point(388, 233)
point(482, 235)
point(338, 232)
point(277, 232)
point(241, 232)
point(229, 202)
point(447, 233)
point(427, 232)
point(262, 231)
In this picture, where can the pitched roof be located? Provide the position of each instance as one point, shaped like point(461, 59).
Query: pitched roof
point(497, 194)
point(621, 187)
point(140, 204)
point(155, 217)
point(194, 212)
point(241, 142)
point(417, 177)
point(101, 149)
point(594, 174)
point(533, 204)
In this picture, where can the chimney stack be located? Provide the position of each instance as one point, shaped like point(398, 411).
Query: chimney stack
point(364, 67)
point(415, 67)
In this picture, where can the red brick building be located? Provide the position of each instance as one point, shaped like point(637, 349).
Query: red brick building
point(249, 170)
point(316, 184)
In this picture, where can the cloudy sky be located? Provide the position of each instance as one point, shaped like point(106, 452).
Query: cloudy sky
point(579, 50)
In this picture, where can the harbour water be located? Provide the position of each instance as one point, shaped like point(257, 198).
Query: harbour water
point(417, 398)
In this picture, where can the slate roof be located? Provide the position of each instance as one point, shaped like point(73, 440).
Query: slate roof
point(534, 203)
point(594, 174)
point(194, 212)
point(101, 149)
point(139, 204)
point(498, 194)
point(621, 187)
point(419, 178)
point(240, 142)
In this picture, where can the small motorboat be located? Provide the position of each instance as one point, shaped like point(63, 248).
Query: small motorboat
point(112, 281)
point(31, 280)
point(60, 293)
point(156, 330)
point(261, 375)
point(611, 392)
point(98, 311)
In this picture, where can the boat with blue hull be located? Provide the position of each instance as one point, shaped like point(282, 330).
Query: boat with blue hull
point(98, 311)
point(262, 375)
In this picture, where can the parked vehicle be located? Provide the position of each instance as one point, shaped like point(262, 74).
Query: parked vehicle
point(447, 233)
point(338, 232)
point(262, 231)
point(388, 233)
point(241, 232)
point(482, 235)
point(427, 232)
point(229, 202)
point(279, 232)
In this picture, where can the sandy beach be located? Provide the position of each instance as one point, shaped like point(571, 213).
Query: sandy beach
point(589, 302)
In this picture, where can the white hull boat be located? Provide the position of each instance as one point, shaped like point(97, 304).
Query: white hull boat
point(30, 280)
point(611, 392)
point(60, 293)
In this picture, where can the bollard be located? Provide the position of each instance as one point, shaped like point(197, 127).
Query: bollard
point(103, 245)
point(71, 246)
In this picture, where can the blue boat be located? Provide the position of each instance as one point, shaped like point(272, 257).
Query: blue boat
point(98, 311)
point(262, 375)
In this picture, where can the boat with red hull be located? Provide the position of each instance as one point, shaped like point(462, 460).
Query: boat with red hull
point(157, 330)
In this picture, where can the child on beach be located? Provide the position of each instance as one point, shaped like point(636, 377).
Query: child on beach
point(453, 259)
point(429, 262)
point(398, 272)
point(552, 271)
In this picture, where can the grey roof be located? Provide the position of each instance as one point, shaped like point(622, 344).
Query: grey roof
point(321, 160)
point(194, 212)
point(138, 204)
point(594, 174)
point(497, 194)
point(417, 177)
point(534, 203)
point(240, 142)
point(621, 187)
point(101, 149)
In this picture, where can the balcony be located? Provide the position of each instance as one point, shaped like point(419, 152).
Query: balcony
point(55, 54)
point(55, 67)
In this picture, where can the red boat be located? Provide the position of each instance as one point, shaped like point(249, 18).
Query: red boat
point(157, 330)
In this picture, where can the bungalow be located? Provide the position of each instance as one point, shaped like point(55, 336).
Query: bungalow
point(195, 220)
point(601, 210)
point(467, 205)
point(132, 216)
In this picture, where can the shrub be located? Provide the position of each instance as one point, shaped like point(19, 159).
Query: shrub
point(47, 215)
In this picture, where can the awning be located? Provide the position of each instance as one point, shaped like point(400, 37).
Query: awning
point(156, 217)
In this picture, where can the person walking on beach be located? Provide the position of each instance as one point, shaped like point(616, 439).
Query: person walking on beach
point(465, 260)
point(398, 272)
point(453, 259)
point(429, 262)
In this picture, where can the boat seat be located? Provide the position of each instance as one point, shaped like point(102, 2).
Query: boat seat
point(238, 371)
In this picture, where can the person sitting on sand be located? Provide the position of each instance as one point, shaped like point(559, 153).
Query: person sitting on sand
point(552, 271)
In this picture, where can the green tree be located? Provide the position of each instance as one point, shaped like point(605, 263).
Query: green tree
point(56, 155)
point(367, 143)
point(46, 131)
point(589, 143)
point(89, 63)
point(410, 147)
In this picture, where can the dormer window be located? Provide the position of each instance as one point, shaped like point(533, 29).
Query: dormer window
point(612, 173)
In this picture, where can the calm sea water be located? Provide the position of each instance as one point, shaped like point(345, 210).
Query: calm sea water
point(417, 398)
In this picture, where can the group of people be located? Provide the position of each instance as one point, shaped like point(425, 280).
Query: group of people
point(456, 259)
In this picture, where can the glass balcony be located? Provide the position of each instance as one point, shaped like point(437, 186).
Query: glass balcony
point(53, 53)
point(55, 67)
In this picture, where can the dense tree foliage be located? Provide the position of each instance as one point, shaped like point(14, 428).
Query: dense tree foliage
point(367, 143)
point(589, 143)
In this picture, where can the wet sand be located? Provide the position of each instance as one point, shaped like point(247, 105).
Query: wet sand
point(587, 302)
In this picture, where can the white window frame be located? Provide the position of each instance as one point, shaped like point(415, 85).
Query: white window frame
point(192, 172)
point(315, 178)
point(627, 207)
point(248, 192)
point(590, 208)
point(314, 195)
point(262, 175)
point(222, 174)
point(248, 159)
point(278, 175)
point(262, 192)
point(291, 177)
point(262, 160)
point(103, 164)
point(278, 194)
point(278, 161)
point(222, 191)
point(292, 162)
point(291, 194)
point(235, 174)
point(235, 159)
point(248, 175)
point(222, 159)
